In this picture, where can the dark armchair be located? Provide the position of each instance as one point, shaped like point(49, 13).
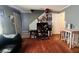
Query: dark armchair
point(11, 42)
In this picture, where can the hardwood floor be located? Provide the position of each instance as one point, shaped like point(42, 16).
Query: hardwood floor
point(51, 45)
point(75, 50)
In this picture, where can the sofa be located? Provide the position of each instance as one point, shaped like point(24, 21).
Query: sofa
point(10, 43)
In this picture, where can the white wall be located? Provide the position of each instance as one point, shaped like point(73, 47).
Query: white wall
point(72, 16)
point(58, 22)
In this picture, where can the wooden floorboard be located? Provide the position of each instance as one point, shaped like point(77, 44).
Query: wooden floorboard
point(51, 45)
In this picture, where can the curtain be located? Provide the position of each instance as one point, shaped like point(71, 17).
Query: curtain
point(1, 30)
point(1, 18)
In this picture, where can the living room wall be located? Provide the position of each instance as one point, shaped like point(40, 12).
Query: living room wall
point(58, 22)
point(7, 25)
point(72, 15)
point(27, 18)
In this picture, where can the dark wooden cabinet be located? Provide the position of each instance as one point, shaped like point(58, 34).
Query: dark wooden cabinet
point(42, 30)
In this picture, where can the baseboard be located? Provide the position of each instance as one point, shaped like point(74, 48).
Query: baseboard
point(55, 34)
point(25, 35)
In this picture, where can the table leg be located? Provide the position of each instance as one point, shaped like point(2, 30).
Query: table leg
point(70, 44)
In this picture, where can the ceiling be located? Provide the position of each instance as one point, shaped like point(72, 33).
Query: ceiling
point(27, 8)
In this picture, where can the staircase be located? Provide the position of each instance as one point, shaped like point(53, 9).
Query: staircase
point(41, 27)
point(33, 25)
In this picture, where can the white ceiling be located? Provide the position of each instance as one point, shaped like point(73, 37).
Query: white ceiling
point(27, 8)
